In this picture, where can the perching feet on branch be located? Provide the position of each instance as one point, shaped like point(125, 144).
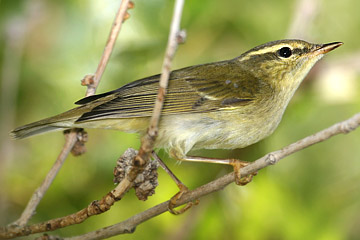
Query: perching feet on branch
point(182, 189)
point(238, 164)
point(146, 182)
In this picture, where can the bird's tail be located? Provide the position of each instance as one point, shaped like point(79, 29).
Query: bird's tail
point(39, 127)
point(56, 123)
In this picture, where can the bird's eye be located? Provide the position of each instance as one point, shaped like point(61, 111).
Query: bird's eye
point(285, 52)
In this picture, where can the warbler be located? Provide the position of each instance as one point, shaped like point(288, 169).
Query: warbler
point(221, 105)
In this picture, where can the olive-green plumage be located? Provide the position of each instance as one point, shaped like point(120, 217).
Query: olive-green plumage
point(228, 104)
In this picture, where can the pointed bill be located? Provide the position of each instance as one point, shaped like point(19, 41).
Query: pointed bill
point(325, 48)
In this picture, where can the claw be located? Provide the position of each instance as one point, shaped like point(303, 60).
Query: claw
point(237, 164)
point(176, 197)
point(182, 189)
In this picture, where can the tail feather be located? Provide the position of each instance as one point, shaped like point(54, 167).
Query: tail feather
point(24, 132)
point(59, 122)
point(42, 126)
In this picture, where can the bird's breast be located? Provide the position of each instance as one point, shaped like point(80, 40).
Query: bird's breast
point(216, 130)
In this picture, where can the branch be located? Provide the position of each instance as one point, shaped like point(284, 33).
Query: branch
point(106, 202)
point(149, 176)
point(72, 138)
point(35, 199)
point(147, 142)
point(175, 37)
point(141, 160)
point(129, 225)
point(92, 81)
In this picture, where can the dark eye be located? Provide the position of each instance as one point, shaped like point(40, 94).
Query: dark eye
point(285, 52)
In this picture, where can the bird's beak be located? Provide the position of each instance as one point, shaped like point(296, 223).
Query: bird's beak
point(325, 48)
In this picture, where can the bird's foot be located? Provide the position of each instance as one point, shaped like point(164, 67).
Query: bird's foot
point(238, 164)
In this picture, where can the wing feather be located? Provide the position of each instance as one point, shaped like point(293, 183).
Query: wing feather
point(201, 88)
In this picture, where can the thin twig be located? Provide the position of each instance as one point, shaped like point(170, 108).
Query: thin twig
point(94, 208)
point(35, 199)
point(173, 42)
point(129, 225)
point(121, 15)
point(72, 138)
point(147, 142)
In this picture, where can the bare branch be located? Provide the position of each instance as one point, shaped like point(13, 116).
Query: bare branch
point(129, 225)
point(94, 208)
point(72, 138)
point(92, 82)
point(175, 37)
point(173, 42)
point(97, 207)
point(147, 142)
point(29, 211)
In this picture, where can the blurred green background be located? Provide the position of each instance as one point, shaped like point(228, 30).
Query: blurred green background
point(46, 47)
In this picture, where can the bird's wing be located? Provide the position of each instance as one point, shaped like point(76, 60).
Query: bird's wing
point(202, 88)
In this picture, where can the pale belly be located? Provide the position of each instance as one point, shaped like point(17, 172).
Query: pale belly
point(184, 132)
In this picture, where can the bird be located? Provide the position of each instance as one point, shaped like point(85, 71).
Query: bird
point(221, 105)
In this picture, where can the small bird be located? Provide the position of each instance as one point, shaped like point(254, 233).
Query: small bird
point(221, 105)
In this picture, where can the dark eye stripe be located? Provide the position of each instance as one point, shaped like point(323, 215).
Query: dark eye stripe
point(297, 51)
point(300, 51)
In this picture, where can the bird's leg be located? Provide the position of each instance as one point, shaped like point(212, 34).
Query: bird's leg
point(237, 165)
point(182, 189)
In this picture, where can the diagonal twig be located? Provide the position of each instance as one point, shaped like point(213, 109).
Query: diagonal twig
point(147, 141)
point(129, 225)
point(72, 138)
point(175, 37)
point(35, 199)
point(94, 208)
point(92, 81)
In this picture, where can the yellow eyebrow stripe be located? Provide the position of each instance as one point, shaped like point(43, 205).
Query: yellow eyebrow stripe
point(273, 48)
